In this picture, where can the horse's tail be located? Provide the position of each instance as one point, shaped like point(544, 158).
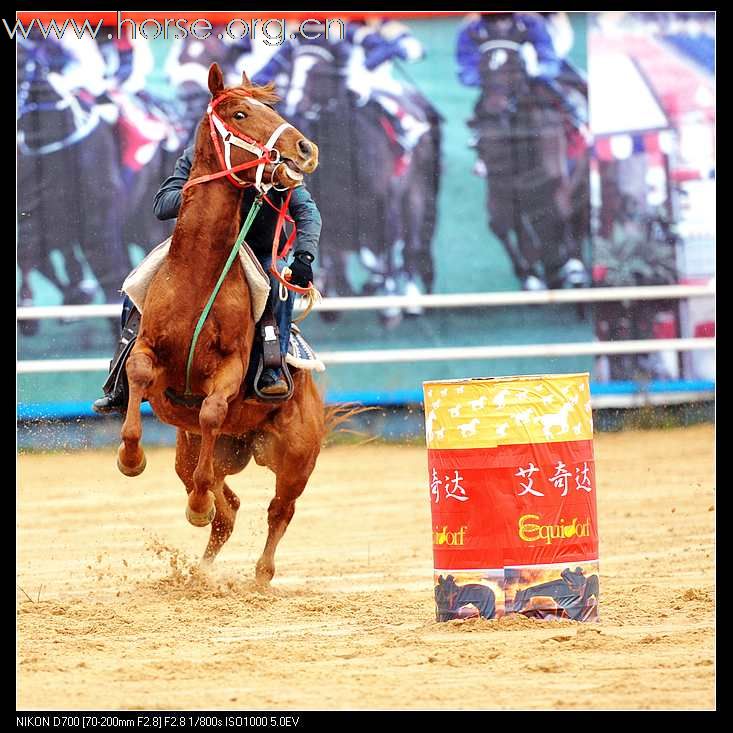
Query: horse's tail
point(340, 413)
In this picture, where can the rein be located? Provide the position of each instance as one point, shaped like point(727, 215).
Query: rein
point(229, 136)
point(251, 214)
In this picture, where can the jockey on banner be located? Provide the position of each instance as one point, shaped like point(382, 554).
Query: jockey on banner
point(543, 44)
point(363, 56)
point(307, 220)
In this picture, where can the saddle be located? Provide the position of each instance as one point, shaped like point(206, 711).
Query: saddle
point(266, 355)
point(266, 349)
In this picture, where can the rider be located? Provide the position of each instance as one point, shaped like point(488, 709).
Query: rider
point(307, 219)
point(530, 30)
point(72, 66)
point(362, 57)
point(543, 62)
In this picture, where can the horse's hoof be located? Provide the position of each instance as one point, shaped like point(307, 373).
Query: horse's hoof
point(135, 471)
point(263, 575)
point(201, 519)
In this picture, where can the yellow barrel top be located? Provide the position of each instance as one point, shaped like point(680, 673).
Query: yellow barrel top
point(493, 411)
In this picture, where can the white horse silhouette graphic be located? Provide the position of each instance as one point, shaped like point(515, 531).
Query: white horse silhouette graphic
point(523, 417)
point(501, 430)
point(478, 404)
point(500, 399)
point(558, 419)
point(439, 434)
point(455, 411)
point(469, 428)
point(429, 420)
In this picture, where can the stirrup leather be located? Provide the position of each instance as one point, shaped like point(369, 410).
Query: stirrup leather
point(271, 357)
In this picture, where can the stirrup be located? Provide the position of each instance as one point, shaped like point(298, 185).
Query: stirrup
point(286, 375)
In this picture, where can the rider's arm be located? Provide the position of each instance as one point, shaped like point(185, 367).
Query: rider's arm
point(548, 62)
point(547, 68)
point(401, 48)
point(307, 219)
point(168, 199)
point(468, 57)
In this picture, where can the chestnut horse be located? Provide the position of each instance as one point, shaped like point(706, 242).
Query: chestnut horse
point(218, 436)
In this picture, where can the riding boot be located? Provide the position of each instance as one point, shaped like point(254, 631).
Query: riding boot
point(115, 388)
point(273, 383)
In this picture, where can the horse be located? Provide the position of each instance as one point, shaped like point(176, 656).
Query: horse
point(219, 432)
point(572, 595)
point(522, 142)
point(382, 206)
point(451, 597)
point(68, 189)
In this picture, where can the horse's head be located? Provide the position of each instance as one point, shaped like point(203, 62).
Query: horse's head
point(245, 122)
point(314, 82)
point(503, 67)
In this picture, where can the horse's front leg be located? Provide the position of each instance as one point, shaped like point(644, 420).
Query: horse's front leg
point(140, 375)
point(225, 385)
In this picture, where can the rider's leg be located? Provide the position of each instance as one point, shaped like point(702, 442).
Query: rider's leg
point(272, 381)
point(115, 393)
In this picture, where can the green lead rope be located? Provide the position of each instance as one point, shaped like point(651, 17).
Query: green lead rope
point(254, 210)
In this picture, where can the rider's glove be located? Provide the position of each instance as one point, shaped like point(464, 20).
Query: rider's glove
point(301, 270)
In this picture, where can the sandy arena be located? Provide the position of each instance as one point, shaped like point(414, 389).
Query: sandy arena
point(112, 613)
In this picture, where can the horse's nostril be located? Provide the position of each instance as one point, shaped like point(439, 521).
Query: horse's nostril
point(305, 148)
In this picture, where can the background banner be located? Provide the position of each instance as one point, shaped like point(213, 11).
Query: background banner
point(457, 156)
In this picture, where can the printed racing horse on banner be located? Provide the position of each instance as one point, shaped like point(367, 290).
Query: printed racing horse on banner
point(219, 434)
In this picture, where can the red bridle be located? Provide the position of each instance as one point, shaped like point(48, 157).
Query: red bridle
point(231, 136)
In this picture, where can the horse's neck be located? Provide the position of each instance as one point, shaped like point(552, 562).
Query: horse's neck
point(208, 223)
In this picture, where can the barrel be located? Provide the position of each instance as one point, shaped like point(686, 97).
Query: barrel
point(512, 488)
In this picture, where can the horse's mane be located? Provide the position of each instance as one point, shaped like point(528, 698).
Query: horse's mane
point(265, 94)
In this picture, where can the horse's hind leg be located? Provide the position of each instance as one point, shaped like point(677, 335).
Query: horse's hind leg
point(226, 501)
point(140, 375)
point(293, 462)
point(225, 385)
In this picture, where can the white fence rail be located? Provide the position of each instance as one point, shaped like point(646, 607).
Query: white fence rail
point(458, 300)
point(452, 300)
point(464, 353)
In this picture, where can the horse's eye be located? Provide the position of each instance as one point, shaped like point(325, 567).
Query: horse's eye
point(239, 115)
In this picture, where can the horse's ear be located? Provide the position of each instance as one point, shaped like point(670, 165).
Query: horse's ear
point(245, 79)
point(216, 80)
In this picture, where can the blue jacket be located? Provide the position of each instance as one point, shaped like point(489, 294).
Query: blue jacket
point(302, 208)
point(525, 29)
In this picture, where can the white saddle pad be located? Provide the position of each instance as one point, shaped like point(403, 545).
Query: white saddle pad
point(138, 281)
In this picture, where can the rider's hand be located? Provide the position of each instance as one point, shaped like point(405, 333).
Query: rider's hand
point(301, 270)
